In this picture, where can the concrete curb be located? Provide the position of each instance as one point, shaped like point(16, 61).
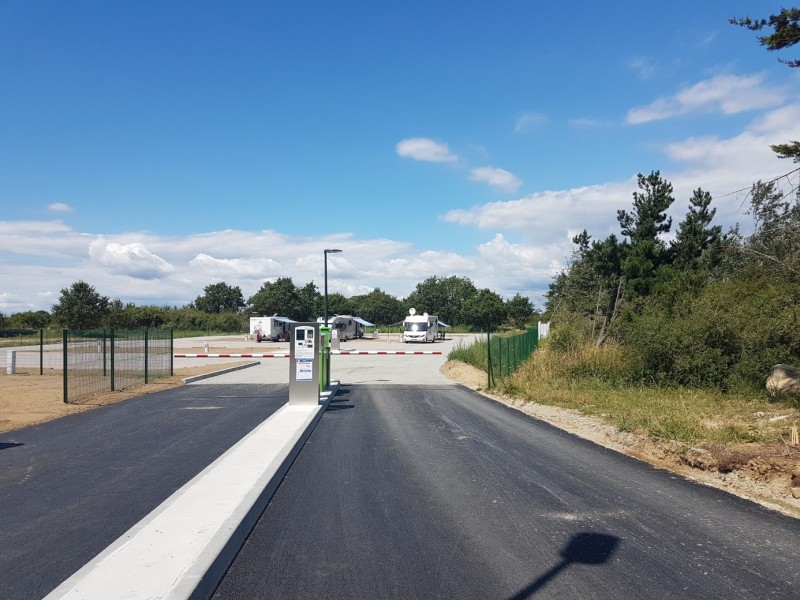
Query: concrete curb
point(183, 548)
point(194, 378)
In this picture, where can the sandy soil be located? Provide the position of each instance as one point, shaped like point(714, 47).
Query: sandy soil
point(767, 475)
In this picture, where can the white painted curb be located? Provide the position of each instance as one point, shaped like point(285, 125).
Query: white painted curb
point(182, 548)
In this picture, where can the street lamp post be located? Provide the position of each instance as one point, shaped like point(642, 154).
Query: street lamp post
point(326, 252)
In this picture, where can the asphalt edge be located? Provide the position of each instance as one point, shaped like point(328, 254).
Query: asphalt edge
point(220, 552)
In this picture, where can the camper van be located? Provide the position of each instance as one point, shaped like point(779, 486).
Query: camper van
point(272, 329)
point(347, 327)
point(420, 328)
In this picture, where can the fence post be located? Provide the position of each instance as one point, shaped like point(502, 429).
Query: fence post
point(113, 369)
point(146, 348)
point(66, 364)
point(171, 352)
point(105, 353)
point(41, 352)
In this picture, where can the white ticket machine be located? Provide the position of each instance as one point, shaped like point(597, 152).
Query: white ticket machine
point(304, 363)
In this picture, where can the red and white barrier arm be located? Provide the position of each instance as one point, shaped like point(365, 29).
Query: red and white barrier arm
point(231, 355)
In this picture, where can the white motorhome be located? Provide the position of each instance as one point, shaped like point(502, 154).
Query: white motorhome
point(420, 328)
point(272, 329)
point(347, 327)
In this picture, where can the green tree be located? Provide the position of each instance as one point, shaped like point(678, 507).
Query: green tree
point(785, 33)
point(119, 315)
point(80, 307)
point(220, 297)
point(774, 246)
point(39, 319)
point(338, 304)
point(378, 307)
point(695, 234)
point(145, 316)
point(485, 310)
point(519, 310)
point(644, 226)
point(312, 302)
point(444, 297)
point(280, 297)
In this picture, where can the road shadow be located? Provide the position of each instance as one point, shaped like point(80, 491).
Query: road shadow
point(336, 403)
point(582, 549)
point(4, 445)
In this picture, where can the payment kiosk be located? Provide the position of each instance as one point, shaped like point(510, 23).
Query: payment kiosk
point(304, 363)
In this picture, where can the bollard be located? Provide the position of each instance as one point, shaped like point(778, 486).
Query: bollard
point(11, 362)
point(205, 346)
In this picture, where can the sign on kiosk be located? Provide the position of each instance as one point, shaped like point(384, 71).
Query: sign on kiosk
point(304, 342)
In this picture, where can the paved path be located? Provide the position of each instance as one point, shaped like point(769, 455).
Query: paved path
point(436, 492)
point(71, 487)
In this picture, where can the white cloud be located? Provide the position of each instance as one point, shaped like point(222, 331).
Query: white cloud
point(529, 122)
point(499, 178)
point(134, 260)
point(425, 149)
point(59, 207)
point(544, 217)
point(728, 94)
point(52, 239)
point(643, 66)
point(223, 268)
point(589, 122)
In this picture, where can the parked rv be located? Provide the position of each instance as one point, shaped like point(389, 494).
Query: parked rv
point(420, 328)
point(347, 327)
point(272, 329)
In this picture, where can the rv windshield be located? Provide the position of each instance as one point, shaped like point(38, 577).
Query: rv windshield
point(416, 326)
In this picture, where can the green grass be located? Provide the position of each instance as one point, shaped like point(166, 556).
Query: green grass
point(474, 354)
point(593, 381)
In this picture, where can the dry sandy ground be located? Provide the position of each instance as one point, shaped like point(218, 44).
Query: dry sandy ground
point(769, 476)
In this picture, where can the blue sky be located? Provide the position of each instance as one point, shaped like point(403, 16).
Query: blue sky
point(153, 148)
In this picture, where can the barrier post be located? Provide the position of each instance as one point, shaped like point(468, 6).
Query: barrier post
point(325, 357)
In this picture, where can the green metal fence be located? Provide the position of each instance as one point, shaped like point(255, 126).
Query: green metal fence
point(99, 360)
point(505, 353)
point(34, 349)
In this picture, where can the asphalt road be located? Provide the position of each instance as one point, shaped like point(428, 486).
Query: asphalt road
point(436, 492)
point(70, 487)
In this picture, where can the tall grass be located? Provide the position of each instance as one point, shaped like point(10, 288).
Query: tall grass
point(474, 353)
point(596, 381)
